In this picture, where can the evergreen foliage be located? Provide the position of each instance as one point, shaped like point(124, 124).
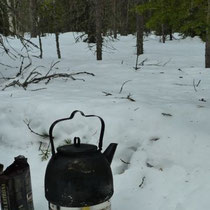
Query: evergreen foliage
point(185, 16)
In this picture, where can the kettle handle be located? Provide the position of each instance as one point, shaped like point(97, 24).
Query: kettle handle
point(100, 144)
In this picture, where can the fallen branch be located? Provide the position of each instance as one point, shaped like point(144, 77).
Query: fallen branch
point(35, 77)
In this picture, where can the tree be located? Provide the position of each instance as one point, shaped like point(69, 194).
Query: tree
point(98, 22)
point(207, 50)
point(163, 16)
point(189, 17)
point(33, 17)
point(139, 31)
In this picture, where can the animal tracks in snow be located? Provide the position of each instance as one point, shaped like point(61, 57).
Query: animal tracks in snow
point(139, 155)
point(125, 155)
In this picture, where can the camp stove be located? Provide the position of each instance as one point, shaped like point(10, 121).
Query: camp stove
point(103, 206)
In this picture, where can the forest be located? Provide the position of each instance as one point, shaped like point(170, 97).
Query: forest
point(117, 91)
point(106, 18)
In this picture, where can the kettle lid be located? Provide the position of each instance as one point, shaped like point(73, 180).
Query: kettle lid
point(76, 148)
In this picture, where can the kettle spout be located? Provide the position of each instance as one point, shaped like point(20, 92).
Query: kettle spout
point(110, 151)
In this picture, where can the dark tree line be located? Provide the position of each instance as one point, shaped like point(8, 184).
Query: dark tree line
point(101, 18)
point(95, 18)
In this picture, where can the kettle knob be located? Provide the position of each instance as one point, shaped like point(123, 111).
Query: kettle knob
point(76, 141)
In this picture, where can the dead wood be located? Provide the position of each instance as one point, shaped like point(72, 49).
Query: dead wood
point(35, 77)
point(142, 182)
point(196, 85)
point(123, 85)
point(44, 136)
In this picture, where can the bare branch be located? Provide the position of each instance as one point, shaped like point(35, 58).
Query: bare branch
point(128, 97)
point(123, 85)
point(34, 78)
point(142, 63)
point(44, 136)
point(124, 161)
point(51, 67)
point(142, 181)
point(167, 62)
point(194, 85)
point(8, 65)
point(106, 93)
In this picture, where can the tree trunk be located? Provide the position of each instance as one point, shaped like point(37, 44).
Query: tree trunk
point(33, 17)
point(11, 17)
point(91, 28)
point(140, 31)
point(207, 56)
point(57, 45)
point(114, 12)
point(98, 6)
point(171, 34)
point(124, 5)
point(163, 33)
point(40, 47)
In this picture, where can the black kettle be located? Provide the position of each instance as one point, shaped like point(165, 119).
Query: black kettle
point(79, 175)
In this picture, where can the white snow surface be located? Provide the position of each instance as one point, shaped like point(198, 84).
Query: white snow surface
point(161, 162)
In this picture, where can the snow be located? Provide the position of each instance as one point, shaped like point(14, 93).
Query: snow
point(161, 162)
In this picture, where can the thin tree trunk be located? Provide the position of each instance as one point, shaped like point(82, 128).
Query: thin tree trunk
point(33, 17)
point(124, 5)
point(207, 54)
point(40, 47)
point(171, 34)
point(98, 4)
point(114, 12)
point(11, 17)
point(140, 32)
point(57, 45)
point(163, 33)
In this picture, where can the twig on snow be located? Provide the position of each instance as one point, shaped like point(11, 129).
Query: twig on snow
point(123, 85)
point(167, 114)
point(142, 182)
point(128, 97)
point(44, 136)
point(6, 78)
point(8, 65)
point(124, 161)
point(38, 89)
point(194, 85)
point(142, 63)
point(167, 62)
point(51, 67)
point(106, 93)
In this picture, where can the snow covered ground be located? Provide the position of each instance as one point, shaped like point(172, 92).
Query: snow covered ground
point(162, 159)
